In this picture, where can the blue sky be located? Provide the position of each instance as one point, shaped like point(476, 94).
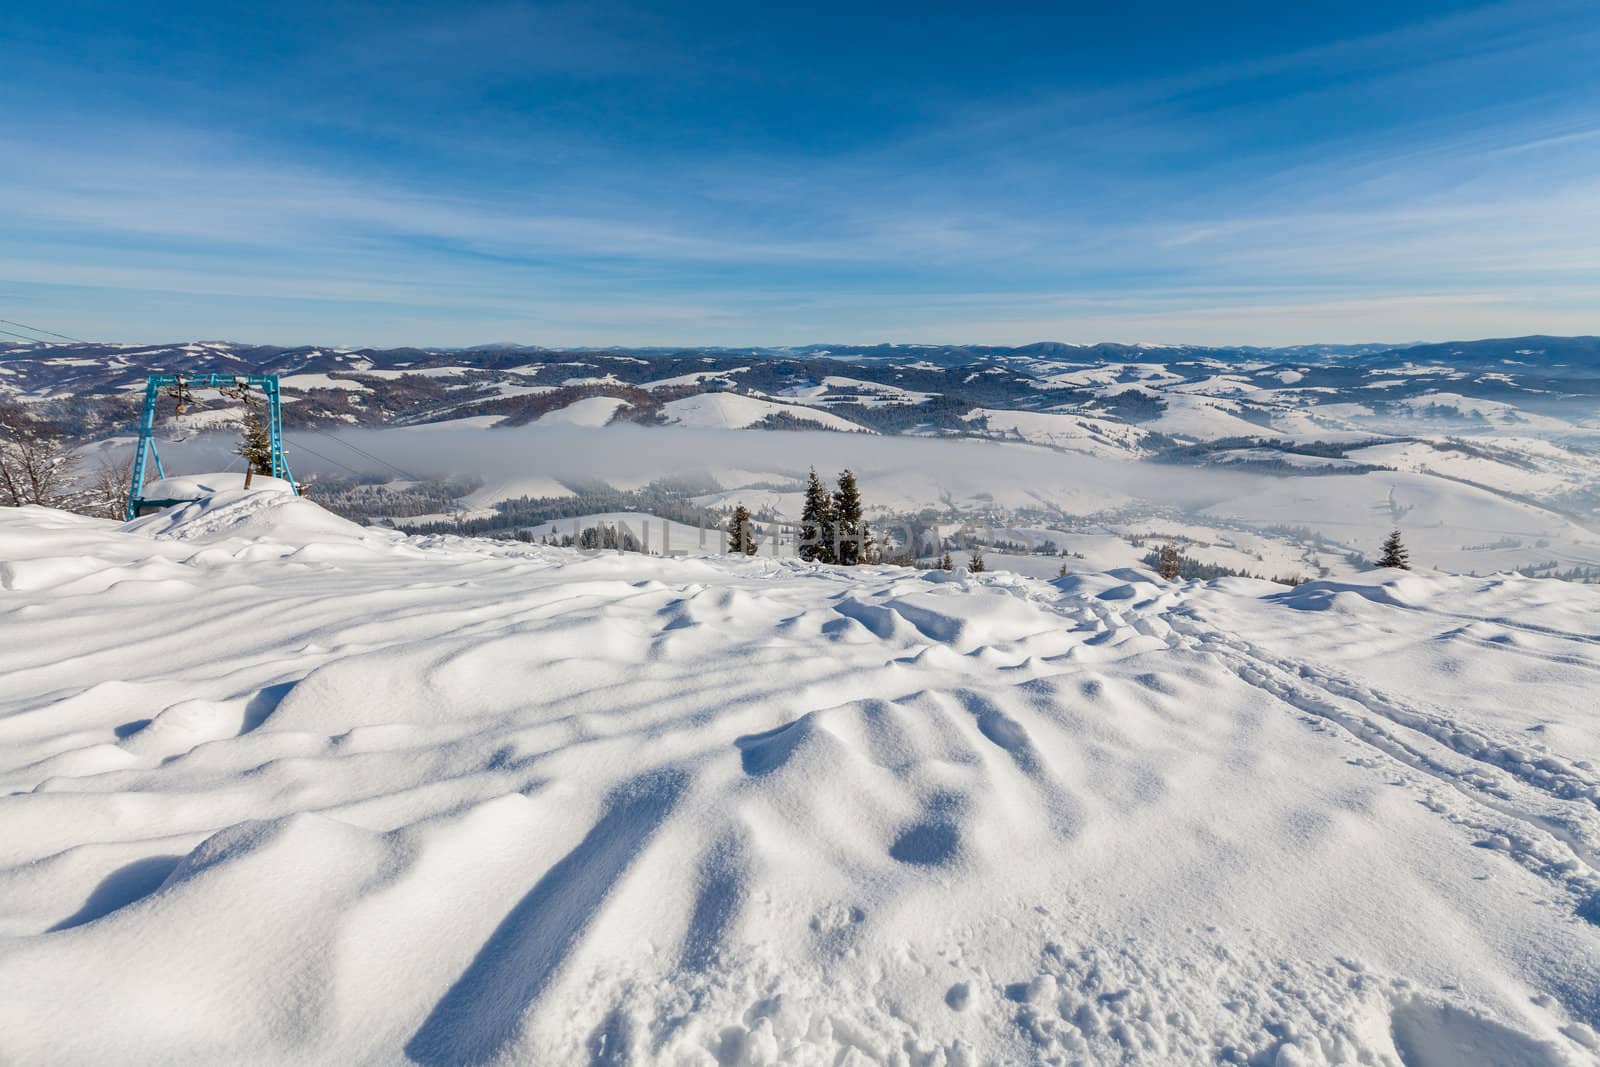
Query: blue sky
point(770, 174)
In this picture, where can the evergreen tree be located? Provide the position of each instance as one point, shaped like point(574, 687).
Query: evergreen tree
point(1062, 573)
point(975, 561)
point(255, 445)
point(1394, 553)
point(816, 523)
point(847, 538)
point(1170, 563)
point(947, 564)
point(741, 535)
point(869, 547)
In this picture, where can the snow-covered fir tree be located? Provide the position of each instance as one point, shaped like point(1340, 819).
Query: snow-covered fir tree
point(255, 445)
point(1394, 553)
point(741, 534)
point(847, 523)
point(816, 523)
point(975, 563)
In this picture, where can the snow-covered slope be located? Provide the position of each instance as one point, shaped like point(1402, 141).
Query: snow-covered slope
point(275, 790)
point(590, 411)
point(1069, 433)
point(1458, 526)
point(730, 411)
point(506, 488)
point(835, 388)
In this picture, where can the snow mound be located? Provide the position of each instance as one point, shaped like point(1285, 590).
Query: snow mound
point(270, 514)
point(194, 486)
point(1389, 587)
point(270, 798)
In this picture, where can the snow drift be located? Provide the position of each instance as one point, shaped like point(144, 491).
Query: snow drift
point(280, 789)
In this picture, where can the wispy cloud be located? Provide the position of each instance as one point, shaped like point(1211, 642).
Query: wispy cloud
point(1246, 179)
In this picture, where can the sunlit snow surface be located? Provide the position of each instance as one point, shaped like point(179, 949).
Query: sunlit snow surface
point(275, 788)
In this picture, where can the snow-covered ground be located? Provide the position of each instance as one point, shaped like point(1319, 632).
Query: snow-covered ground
point(512, 486)
point(729, 411)
point(1069, 433)
point(277, 788)
point(590, 411)
point(1454, 525)
point(304, 382)
point(838, 388)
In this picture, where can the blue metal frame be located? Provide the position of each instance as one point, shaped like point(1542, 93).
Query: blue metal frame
point(267, 383)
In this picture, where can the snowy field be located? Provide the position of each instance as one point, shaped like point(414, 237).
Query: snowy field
point(279, 789)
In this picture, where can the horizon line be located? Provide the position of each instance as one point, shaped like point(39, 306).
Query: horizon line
point(17, 342)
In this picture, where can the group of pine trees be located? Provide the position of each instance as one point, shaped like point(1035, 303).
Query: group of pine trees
point(593, 538)
point(605, 536)
point(975, 563)
point(832, 529)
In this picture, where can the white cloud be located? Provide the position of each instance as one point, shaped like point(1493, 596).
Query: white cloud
point(1109, 202)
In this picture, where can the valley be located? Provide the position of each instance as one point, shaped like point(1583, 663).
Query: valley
point(1276, 463)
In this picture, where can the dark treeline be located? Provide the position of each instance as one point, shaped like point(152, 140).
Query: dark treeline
point(1576, 573)
point(1130, 406)
point(357, 501)
point(663, 499)
point(939, 413)
point(1171, 563)
point(592, 538)
point(1203, 451)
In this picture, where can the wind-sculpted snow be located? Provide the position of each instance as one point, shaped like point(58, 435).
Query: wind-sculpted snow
point(276, 788)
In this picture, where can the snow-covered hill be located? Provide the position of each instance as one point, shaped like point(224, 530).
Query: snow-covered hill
point(277, 788)
point(1525, 385)
point(728, 411)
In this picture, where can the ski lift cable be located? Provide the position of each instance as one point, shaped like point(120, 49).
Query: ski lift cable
point(330, 459)
point(361, 451)
point(24, 337)
point(51, 333)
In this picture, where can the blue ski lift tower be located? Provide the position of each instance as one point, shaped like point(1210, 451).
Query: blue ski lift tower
point(180, 383)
